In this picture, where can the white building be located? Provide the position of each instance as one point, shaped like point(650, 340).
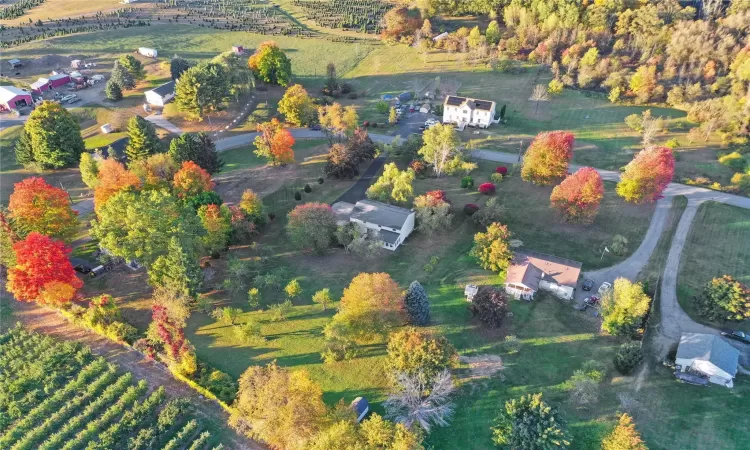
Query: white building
point(531, 271)
point(392, 224)
point(161, 95)
point(708, 355)
point(468, 111)
point(150, 52)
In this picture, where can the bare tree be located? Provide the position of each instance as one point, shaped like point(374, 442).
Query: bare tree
point(651, 126)
point(711, 8)
point(539, 94)
point(426, 404)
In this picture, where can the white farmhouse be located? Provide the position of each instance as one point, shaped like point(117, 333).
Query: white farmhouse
point(161, 95)
point(468, 111)
point(392, 224)
point(708, 355)
point(530, 271)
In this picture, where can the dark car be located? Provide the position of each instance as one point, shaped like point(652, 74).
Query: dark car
point(737, 335)
point(690, 378)
point(315, 127)
point(588, 284)
point(80, 265)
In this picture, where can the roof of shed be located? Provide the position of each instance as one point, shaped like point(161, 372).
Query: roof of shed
point(164, 89)
point(708, 347)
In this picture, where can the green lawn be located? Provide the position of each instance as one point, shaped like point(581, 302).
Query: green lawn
point(718, 244)
point(245, 157)
point(103, 140)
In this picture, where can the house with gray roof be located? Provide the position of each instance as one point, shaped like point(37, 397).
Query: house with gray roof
point(708, 355)
point(392, 224)
point(161, 95)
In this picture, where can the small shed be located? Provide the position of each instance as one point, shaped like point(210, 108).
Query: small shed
point(106, 128)
point(238, 50)
point(386, 97)
point(41, 85)
point(161, 95)
point(149, 52)
point(12, 97)
point(59, 79)
point(361, 407)
point(425, 108)
point(709, 355)
point(76, 64)
point(470, 291)
point(440, 36)
point(15, 63)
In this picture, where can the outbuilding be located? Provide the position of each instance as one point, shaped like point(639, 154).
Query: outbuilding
point(59, 79)
point(708, 355)
point(238, 50)
point(12, 97)
point(41, 85)
point(425, 108)
point(361, 407)
point(161, 95)
point(150, 52)
point(15, 63)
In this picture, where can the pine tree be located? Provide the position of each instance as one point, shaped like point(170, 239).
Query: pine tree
point(122, 77)
point(24, 151)
point(417, 305)
point(143, 139)
point(198, 148)
point(177, 66)
point(177, 271)
point(113, 91)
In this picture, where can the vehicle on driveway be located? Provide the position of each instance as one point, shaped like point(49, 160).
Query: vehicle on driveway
point(315, 127)
point(690, 378)
point(588, 284)
point(604, 288)
point(71, 98)
point(80, 265)
point(737, 335)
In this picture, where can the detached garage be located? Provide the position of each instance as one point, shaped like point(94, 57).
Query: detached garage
point(12, 97)
point(59, 79)
point(41, 85)
point(708, 355)
point(161, 95)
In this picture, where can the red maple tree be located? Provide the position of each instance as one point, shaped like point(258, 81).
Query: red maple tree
point(191, 180)
point(42, 269)
point(647, 175)
point(36, 206)
point(113, 177)
point(577, 198)
point(547, 157)
point(170, 334)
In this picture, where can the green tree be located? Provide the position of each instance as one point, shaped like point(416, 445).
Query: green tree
point(724, 298)
point(417, 352)
point(143, 139)
point(24, 151)
point(198, 148)
point(624, 307)
point(624, 436)
point(122, 77)
point(312, 226)
point(531, 424)
point(492, 249)
point(393, 185)
point(628, 357)
point(270, 64)
point(89, 168)
point(417, 304)
point(8, 237)
point(297, 106)
point(177, 271)
point(253, 297)
point(53, 136)
point(178, 66)
point(133, 66)
point(293, 289)
point(202, 88)
point(241, 79)
point(227, 315)
point(323, 298)
point(216, 221)
point(113, 91)
point(493, 33)
point(441, 144)
point(252, 205)
point(475, 37)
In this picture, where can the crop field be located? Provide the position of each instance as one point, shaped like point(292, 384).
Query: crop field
point(718, 244)
point(58, 395)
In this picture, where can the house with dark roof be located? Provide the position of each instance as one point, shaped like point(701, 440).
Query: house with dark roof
point(531, 271)
point(161, 95)
point(465, 111)
point(708, 355)
point(391, 224)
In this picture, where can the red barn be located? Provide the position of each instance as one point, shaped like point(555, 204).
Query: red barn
point(59, 79)
point(40, 85)
point(11, 98)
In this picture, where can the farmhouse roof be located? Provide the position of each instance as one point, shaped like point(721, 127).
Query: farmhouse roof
point(472, 103)
point(381, 214)
point(452, 100)
point(529, 268)
point(7, 93)
point(708, 347)
point(164, 89)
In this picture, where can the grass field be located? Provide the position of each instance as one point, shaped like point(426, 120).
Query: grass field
point(718, 244)
point(58, 9)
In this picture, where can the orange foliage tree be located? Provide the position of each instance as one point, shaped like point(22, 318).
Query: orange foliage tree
point(113, 177)
point(191, 180)
point(547, 158)
point(43, 272)
point(274, 143)
point(36, 206)
point(647, 175)
point(577, 198)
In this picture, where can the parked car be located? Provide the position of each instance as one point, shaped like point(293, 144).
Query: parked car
point(604, 288)
point(74, 99)
point(80, 265)
point(315, 127)
point(737, 335)
point(588, 284)
point(690, 378)
point(96, 271)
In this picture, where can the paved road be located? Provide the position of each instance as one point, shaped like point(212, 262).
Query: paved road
point(241, 140)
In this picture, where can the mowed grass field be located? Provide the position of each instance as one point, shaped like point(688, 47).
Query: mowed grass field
point(59, 9)
point(718, 244)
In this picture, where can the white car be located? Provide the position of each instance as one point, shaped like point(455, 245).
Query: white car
point(68, 98)
point(604, 288)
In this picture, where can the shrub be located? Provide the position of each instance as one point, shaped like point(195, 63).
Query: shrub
point(489, 306)
point(502, 170)
point(321, 180)
point(419, 167)
point(511, 344)
point(583, 390)
point(734, 161)
point(366, 123)
point(249, 333)
point(297, 196)
point(308, 189)
point(470, 209)
point(467, 182)
point(724, 298)
point(628, 358)
point(280, 311)
point(672, 143)
point(496, 178)
point(530, 423)
point(596, 370)
point(487, 188)
point(418, 352)
point(374, 124)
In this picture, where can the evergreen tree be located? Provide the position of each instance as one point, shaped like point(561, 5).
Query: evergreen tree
point(417, 305)
point(122, 76)
point(143, 139)
point(177, 271)
point(133, 66)
point(196, 147)
point(24, 152)
point(113, 91)
point(177, 66)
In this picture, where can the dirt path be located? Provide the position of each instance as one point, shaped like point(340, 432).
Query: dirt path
point(48, 321)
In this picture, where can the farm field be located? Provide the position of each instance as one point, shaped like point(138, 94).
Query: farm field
point(718, 244)
point(58, 9)
point(86, 402)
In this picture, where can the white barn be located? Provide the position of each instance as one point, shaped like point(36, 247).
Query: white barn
point(392, 224)
point(709, 355)
point(531, 271)
point(161, 95)
point(464, 111)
